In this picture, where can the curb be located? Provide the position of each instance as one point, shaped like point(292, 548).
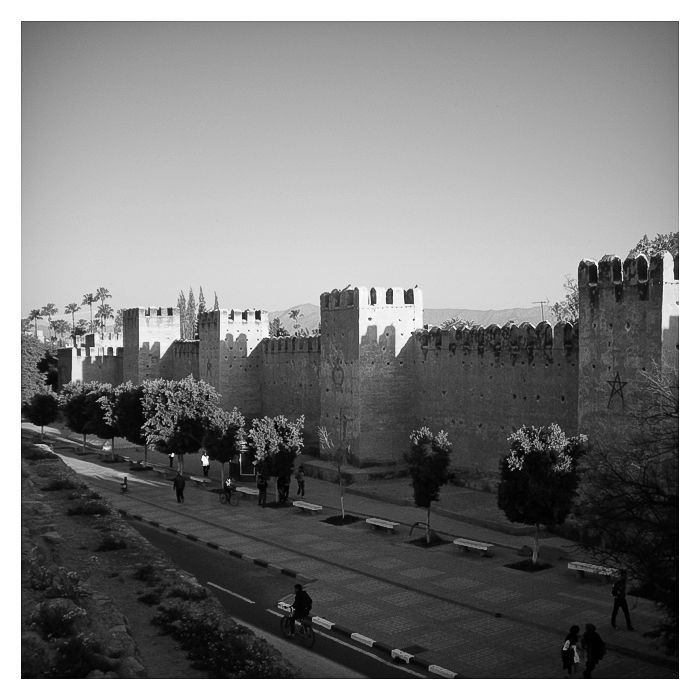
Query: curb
point(396, 654)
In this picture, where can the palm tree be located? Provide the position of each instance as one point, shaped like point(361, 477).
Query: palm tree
point(119, 322)
point(104, 311)
point(60, 328)
point(34, 314)
point(89, 299)
point(71, 309)
point(50, 310)
point(102, 293)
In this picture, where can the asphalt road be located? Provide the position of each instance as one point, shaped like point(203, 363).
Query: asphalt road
point(250, 595)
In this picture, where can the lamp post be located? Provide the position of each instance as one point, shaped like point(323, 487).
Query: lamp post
point(241, 447)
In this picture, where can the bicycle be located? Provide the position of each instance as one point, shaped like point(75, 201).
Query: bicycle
point(231, 498)
point(297, 628)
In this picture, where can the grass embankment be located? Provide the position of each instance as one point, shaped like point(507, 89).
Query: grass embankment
point(99, 601)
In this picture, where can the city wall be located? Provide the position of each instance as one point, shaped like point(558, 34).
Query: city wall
point(375, 373)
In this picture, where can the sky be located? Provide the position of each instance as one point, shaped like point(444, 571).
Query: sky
point(270, 162)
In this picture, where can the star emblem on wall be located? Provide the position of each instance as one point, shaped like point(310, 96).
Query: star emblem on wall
point(616, 386)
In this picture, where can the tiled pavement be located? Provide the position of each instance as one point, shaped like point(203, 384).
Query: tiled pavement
point(465, 613)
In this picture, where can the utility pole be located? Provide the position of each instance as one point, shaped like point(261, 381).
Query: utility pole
point(541, 303)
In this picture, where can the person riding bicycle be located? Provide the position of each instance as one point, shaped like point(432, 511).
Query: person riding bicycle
point(301, 607)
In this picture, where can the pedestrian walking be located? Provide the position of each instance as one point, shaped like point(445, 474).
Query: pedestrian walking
point(171, 457)
point(593, 647)
point(205, 463)
point(179, 486)
point(262, 490)
point(569, 652)
point(619, 592)
point(300, 481)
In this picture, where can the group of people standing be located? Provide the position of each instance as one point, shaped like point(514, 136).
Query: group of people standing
point(283, 483)
point(590, 645)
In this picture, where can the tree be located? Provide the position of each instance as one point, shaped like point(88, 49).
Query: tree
point(104, 312)
point(223, 435)
point(60, 327)
point(297, 329)
point(81, 408)
point(216, 302)
point(178, 414)
point(567, 309)
point(127, 413)
point(80, 329)
point(190, 317)
point(456, 321)
point(35, 314)
point(276, 441)
point(119, 322)
point(340, 456)
point(102, 294)
point(539, 477)
point(661, 243)
point(201, 308)
point(42, 409)
point(89, 299)
point(429, 459)
point(629, 506)
point(71, 309)
point(49, 310)
point(182, 308)
point(277, 330)
point(33, 380)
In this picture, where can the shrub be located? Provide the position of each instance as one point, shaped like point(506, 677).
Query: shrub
point(150, 598)
point(75, 657)
point(187, 591)
point(111, 542)
point(57, 617)
point(148, 574)
point(88, 507)
point(60, 484)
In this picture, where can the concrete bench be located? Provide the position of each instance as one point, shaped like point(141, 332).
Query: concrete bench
point(303, 505)
point(200, 480)
point(246, 490)
point(583, 568)
point(383, 524)
point(483, 547)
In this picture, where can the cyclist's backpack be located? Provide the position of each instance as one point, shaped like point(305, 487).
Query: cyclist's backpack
point(307, 601)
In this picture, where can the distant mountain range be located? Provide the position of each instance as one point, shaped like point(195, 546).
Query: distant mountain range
point(310, 316)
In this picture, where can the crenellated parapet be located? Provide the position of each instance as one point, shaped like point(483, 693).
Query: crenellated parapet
point(501, 341)
point(634, 278)
point(293, 344)
point(362, 297)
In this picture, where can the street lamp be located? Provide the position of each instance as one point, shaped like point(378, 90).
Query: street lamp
point(241, 447)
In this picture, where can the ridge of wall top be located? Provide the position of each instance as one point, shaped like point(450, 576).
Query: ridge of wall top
point(150, 311)
point(292, 344)
point(544, 335)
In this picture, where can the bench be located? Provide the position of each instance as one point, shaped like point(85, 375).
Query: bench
point(307, 506)
point(200, 480)
point(246, 490)
point(585, 568)
point(482, 547)
point(384, 524)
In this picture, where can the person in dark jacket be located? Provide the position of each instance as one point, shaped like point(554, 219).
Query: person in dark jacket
point(179, 486)
point(593, 647)
point(302, 602)
point(261, 483)
point(300, 481)
point(619, 591)
point(569, 652)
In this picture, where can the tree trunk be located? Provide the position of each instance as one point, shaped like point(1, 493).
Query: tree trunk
point(536, 548)
point(42, 432)
point(145, 454)
point(114, 458)
point(222, 475)
point(427, 527)
point(180, 463)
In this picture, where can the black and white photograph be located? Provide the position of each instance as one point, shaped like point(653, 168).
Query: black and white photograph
point(349, 349)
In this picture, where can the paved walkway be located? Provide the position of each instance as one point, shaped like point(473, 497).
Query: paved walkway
point(472, 616)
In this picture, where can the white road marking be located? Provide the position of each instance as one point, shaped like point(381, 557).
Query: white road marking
point(226, 590)
point(97, 471)
point(358, 650)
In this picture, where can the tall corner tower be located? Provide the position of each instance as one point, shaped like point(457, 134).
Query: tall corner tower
point(628, 324)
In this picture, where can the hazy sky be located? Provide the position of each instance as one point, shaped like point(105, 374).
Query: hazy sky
point(271, 162)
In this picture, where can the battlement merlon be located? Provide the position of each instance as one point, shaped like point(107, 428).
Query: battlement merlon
point(362, 297)
point(149, 311)
point(238, 316)
point(612, 270)
point(509, 338)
